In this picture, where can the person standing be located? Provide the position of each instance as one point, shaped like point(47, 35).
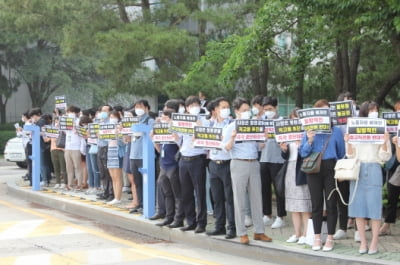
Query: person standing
point(322, 183)
point(368, 195)
point(220, 178)
point(245, 173)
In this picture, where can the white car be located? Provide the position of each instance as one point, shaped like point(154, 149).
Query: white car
point(15, 152)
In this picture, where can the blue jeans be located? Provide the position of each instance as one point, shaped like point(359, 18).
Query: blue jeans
point(93, 169)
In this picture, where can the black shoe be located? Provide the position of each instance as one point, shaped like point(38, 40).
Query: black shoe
point(138, 209)
point(217, 232)
point(101, 197)
point(109, 198)
point(165, 222)
point(188, 227)
point(157, 216)
point(199, 230)
point(176, 225)
point(231, 234)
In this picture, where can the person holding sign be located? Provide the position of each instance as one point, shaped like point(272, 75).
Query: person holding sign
point(192, 175)
point(168, 178)
point(270, 164)
point(245, 173)
point(220, 177)
point(323, 182)
point(368, 195)
point(393, 191)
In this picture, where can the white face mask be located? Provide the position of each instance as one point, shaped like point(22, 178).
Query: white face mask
point(269, 114)
point(194, 110)
point(373, 115)
point(224, 113)
point(113, 120)
point(245, 115)
point(255, 111)
point(181, 110)
point(71, 115)
point(139, 112)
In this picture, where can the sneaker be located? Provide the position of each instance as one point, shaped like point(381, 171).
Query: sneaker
point(267, 220)
point(89, 191)
point(42, 184)
point(278, 223)
point(62, 186)
point(292, 239)
point(248, 221)
point(126, 189)
point(57, 186)
point(357, 236)
point(340, 234)
point(113, 202)
point(302, 240)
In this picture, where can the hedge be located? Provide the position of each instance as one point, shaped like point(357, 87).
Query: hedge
point(7, 131)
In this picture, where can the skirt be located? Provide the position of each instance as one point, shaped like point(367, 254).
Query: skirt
point(368, 195)
point(297, 198)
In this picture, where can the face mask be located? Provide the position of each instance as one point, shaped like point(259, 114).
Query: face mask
point(103, 115)
point(224, 113)
point(255, 111)
point(269, 114)
point(245, 115)
point(139, 112)
point(194, 110)
point(71, 115)
point(181, 110)
point(113, 120)
point(373, 115)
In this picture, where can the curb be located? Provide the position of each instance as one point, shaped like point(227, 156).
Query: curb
point(269, 252)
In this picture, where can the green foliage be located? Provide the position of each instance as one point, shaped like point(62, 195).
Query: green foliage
point(5, 135)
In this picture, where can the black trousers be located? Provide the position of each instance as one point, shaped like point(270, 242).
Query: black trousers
point(170, 185)
point(138, 178)
point(192, 176)
point(393, 198)
point(344, 187)
point(320, 185)
point(221, 190)
point(269, 172)
point(104, 173)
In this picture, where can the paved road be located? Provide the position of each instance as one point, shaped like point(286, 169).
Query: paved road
point(32, 234)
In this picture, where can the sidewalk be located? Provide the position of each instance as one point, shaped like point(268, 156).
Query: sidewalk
point(345, 251)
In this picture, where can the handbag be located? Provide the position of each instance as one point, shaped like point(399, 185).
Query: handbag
point(395, 178)
point(60, 142)
point(347, 169)
point(312, 163)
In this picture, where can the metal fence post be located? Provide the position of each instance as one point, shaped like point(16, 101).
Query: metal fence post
point(148, 170)
point(35, 157)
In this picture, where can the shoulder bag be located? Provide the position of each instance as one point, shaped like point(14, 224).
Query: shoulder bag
point(312, 163)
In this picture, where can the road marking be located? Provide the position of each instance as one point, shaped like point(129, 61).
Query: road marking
point(135, 247)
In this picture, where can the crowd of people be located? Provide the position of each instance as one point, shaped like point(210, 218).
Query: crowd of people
point(244, 176)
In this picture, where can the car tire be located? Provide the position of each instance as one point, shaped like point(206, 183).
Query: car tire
point(21, 164)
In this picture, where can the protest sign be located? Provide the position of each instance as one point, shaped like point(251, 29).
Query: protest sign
point(341, 111)
point(366, 130)
point(108, 132)
point(66, 123)
point(288, 130)
point(82, 131)
point(269, 129)
point(207, 137)
point(392, 121)
point(183, 123)
point(315, 119)
point(60, 102)
point(250, 130)
point(50, 131)
point(127, 123)
point(161, 133)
